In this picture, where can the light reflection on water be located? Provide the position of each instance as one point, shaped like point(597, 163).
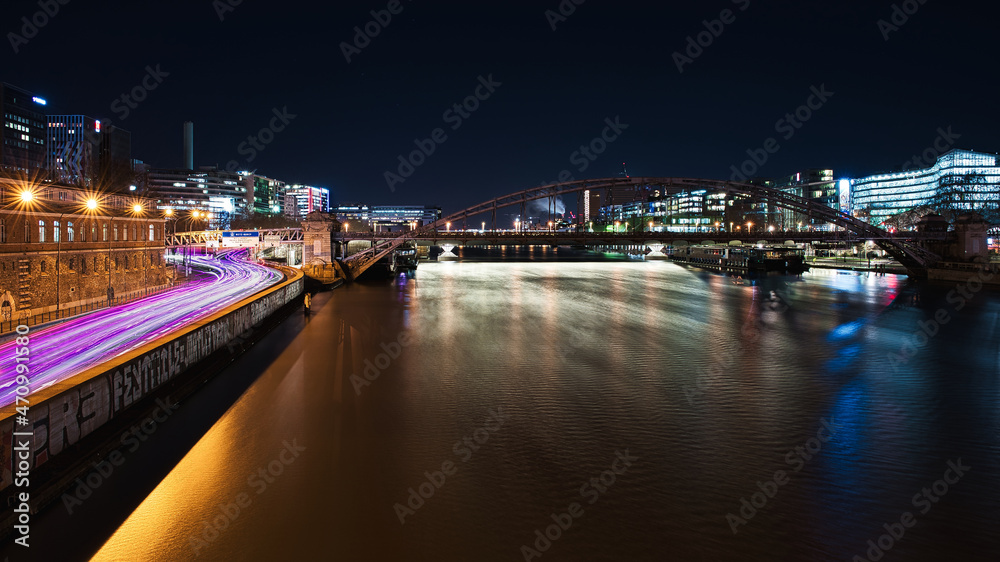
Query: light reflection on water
point(709, 383)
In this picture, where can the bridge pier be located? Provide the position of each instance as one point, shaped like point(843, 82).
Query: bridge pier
point(320, 249)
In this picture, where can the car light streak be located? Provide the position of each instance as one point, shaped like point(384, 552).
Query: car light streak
point(68, 348)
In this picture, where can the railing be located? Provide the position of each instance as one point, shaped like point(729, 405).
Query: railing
point(7, 326)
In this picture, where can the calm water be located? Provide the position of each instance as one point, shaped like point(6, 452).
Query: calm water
point(705, 385)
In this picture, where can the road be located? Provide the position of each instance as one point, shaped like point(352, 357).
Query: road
point(63, 350)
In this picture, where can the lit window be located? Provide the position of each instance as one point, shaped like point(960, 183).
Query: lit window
point(41, 231)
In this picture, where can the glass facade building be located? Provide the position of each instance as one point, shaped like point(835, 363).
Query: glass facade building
point(960, 179)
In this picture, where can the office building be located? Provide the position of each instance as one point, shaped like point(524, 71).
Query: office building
point(959, 181)
point(300, 200)
point(22, 153)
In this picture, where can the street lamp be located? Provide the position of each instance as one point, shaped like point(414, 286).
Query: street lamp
point(616, 227)
point(651, 226)
point(749, 226)
point(448, 226)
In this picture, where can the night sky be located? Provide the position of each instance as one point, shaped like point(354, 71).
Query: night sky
point(607, 59)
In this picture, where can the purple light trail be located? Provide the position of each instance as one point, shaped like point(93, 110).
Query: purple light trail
point(68, 348)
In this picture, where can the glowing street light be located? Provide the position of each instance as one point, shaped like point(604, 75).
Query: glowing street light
point(770, 228)
point(137, 208)
point(27, 196)
point(749, 225)
point(448, 225)
point(92, 204)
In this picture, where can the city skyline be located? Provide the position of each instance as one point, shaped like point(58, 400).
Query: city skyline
point(338, 109)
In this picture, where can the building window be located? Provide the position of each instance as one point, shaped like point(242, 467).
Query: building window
point(105, 232)
point(116, 233)
point(93, 232)
point(126, 263)
point(41, 231)
point(134, 236)
point(107, 264)
point(69, 232)
point(117, 263)
point(3, 230)
point(55, 231)
point(72, 264)
point(27, 232)
point(83, 266)
point(95, 264)
point(43, 267)
point(152, 232)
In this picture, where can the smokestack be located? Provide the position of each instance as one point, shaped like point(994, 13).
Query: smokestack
point(189, 145)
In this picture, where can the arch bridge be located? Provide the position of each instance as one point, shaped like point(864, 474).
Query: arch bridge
point(907, 252)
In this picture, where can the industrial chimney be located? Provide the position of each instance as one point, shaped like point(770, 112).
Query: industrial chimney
point(189, 145)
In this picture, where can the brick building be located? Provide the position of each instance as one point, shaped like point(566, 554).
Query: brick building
point(57, 252)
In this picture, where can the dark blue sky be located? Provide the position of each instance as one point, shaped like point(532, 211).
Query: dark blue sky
point(353, 120)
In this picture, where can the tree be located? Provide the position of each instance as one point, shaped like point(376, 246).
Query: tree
point(245, 220)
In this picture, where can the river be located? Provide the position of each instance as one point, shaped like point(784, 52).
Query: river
point(629, 410)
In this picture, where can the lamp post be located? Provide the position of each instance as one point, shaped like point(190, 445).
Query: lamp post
point(137, 209)
point(111, 290)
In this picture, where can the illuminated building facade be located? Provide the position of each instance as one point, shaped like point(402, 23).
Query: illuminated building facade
point(208, 190)
point(962, 180)
point(300, 200)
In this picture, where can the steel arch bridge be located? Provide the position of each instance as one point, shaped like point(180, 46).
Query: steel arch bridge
point(911, 255)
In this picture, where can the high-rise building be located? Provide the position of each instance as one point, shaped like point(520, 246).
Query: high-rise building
point(23, 149)
point(84, 152)
point(116, 167)
point(300, 200)
point(74, 146)
point(960, 181)
point(264, 195)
